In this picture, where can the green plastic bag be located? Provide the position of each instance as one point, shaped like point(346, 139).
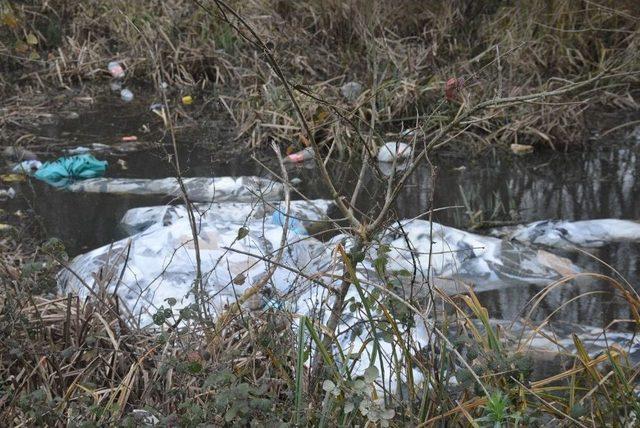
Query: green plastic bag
point(66, 170)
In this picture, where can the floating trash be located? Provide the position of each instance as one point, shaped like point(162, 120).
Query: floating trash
point(199, 189)
point(66, 170)
point(569, 234)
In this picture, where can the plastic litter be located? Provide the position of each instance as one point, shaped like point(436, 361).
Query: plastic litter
point(187, 100)
point(309, 213)
point(27, 167)
point(122, 164)
point(78, 150)
point(7, 194)
point(157, 264)
point(65, 170)
point(453, 87)
point(295, 225)
point(393, 150)
point(130, 138)
point(389, 169)
point(100, 146)
point(199, 189)
point(568, 235)
point(126, 95)
point(301, 156)
point(115, 69)
point(125, 147)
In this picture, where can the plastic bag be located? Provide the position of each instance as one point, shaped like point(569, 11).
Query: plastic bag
point(65, 170)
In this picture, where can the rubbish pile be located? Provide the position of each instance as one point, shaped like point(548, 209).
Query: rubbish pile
point(240, 242)
point(240, 237)
point(117, 74)
point(159, 262)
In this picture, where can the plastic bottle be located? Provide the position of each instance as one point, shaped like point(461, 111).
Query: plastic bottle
point(116, 69)
point(126, 95)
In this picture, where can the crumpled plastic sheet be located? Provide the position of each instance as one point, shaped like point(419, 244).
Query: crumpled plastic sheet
point(483, 261)
point(569, 234)
point(199, 189)
point(307, 212)
point(159, 263)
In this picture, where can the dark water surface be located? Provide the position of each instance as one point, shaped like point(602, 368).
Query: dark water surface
point(601, 182)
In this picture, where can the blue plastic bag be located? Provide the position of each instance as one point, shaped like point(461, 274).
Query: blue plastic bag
point(295, 225)
point(66, 170)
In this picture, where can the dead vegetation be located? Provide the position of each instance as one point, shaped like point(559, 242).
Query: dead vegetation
point(66, 361)
point(401, 52)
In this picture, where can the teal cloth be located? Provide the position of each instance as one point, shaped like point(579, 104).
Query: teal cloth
point(66, 170)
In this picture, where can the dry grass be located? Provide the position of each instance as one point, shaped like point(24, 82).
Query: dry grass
point(68, 361)
point(401, 52)
point(65, 361)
